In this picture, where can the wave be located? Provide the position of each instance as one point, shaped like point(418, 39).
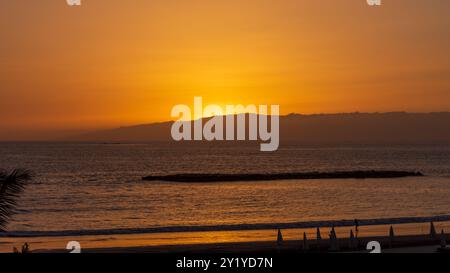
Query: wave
point(237, 227)
point(205, 178)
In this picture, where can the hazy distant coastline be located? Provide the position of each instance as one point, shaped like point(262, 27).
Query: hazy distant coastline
point(347, 128)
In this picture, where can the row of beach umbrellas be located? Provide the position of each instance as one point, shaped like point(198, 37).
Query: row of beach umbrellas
point(353, 240)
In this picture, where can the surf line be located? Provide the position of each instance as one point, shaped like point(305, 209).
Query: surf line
point(214, 130)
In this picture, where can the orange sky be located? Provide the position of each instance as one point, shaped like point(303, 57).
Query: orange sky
point(112, 62)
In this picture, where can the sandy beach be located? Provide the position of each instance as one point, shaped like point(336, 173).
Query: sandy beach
point(401, 244)
point(409, 238)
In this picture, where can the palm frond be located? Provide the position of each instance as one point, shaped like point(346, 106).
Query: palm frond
point(11, 186)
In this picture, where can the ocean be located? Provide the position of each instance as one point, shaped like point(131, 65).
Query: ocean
point(87, 188)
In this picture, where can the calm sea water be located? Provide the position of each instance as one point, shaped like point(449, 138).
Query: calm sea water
point(98, 186)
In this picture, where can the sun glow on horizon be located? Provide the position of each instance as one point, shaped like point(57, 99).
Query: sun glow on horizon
point(131, 63)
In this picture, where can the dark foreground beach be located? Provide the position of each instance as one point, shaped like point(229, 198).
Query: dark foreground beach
point(400, 244)
point(410, 237)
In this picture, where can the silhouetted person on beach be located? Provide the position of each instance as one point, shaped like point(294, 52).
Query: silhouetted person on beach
point(356, 227)
point(25, 248)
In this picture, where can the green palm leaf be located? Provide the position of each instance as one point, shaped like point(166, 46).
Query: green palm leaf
point(11, 186)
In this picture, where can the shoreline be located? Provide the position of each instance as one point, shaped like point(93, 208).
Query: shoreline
point(406, 235)
point(230, 228)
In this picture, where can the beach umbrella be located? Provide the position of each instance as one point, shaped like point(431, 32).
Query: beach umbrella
point(333, 232)
point(279, 238)
point(391, 236)
point(443, 241)
point(318, 236)
point(432, 231)
point(352, 240)
point(391, 232)
point(305, 242)
point(334, 246)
